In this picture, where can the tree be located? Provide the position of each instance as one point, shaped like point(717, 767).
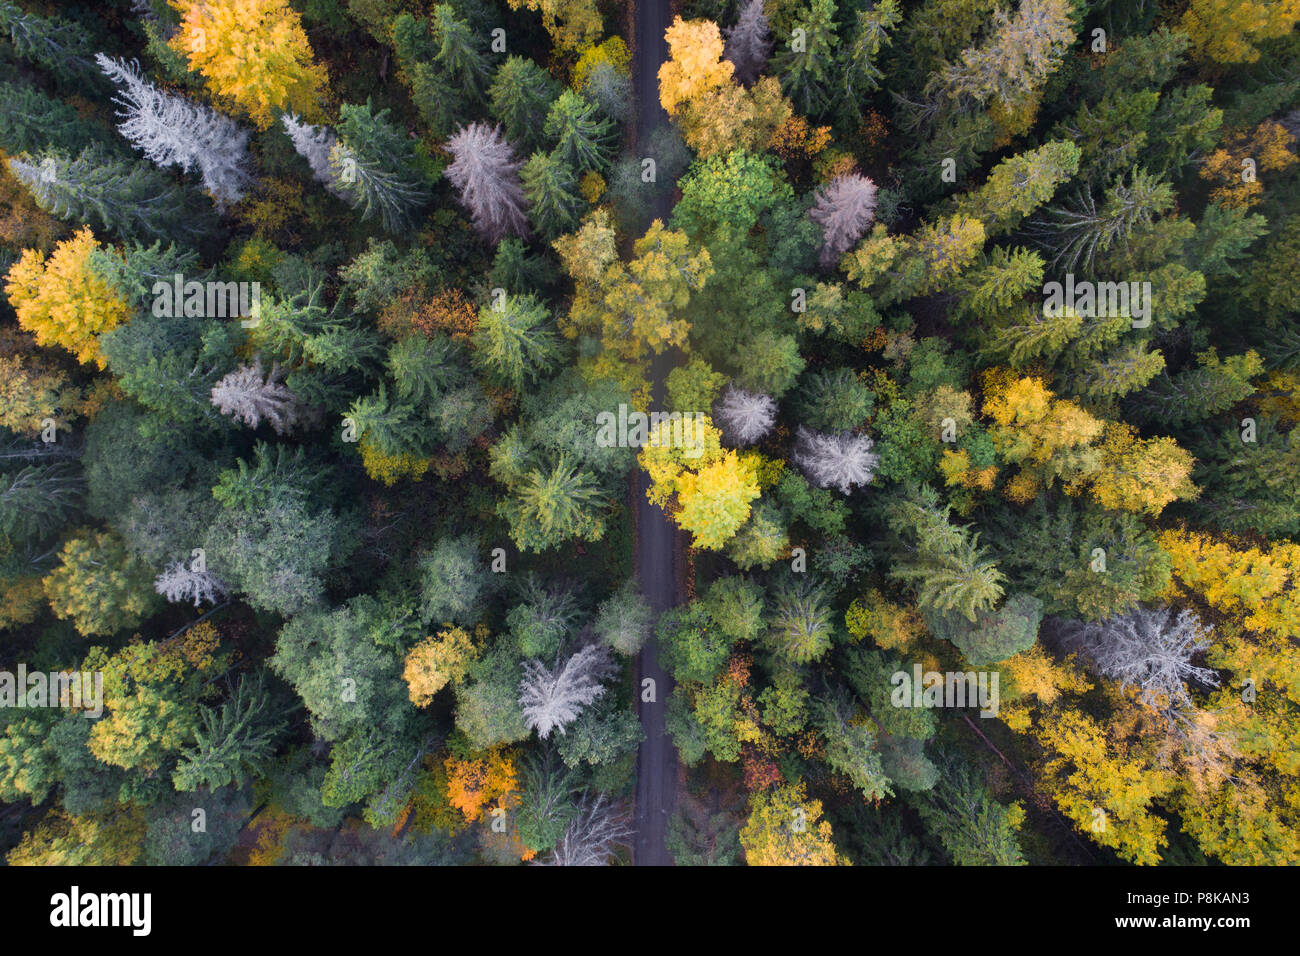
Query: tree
point(834, 400)
point(1226, 31)
point(547, 508)
point(583, 139)
point(953, 571)
point(63, 300)
point(521, 96)
point(515, 343)
point(234, 742)
point(841, 461)
point(487, 174)
point(745, 417)
point(572, 24)
point(435, 662)
point(99, 586)
point(252, 396)
point(1141, 475)
point(714, 501)
point(851, 746)
point(124, 196)
point(552, 193)
point(785, 829)
point(624, 619)
point(801, 630)
point(452, 581)
point(749, 42)
point(374, 168)
point(1018, 186)
point(37, 499)
point(254, 54)
point(695, 63)
point(1149, 650)
point(994, 635)
point(316, 145)
point(1076, 232)
point(592, 837)
point(975, 829)
point(179, 582)
point(551, 698)
point(844, 209)
point(804, 60)
point(61, 46)
point(171, 131)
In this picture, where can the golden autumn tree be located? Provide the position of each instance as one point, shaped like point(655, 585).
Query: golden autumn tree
point(785, 828)
point(254, 54)
point(99, 585)
point(479, 783)
point(435, 662)
point(1234, 168)
point(695, 64)
point(31, 392)
point(572, 24)
point(63, 301)
point(708, 489)
point(1141, 474)
point(1226, 31)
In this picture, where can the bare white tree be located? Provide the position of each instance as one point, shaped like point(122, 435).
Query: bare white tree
point(487, 174)
point(1149, 649)
point(251, 397)
point(179, 583)
point(553, 698)
point(745, 417)
point(316, 145)
point(173, 131)
point(749, 42)
point(844, 208)
point(598, 829)
point(842, 460)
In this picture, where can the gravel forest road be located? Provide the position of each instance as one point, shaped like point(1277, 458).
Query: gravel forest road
point(656, 782)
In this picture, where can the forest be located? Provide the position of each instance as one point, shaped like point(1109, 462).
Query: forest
point(805, 432)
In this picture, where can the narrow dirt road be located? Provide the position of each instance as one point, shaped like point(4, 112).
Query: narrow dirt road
point(656, 782)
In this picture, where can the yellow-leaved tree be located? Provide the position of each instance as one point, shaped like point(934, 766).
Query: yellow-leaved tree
point(254, 54)
point(437, 661)
point(708, 488)
point(785, 829)
point(1226, 30)
point(63, 301)
point(695, 64)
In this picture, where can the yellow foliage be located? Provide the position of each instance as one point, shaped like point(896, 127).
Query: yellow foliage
point(572, 24)
point(390, 469)
point(475, 783)
point(612, 51)
point(253, 53)
point(435, 662)
point(1225, 31)
point(695, 63)
point(1234, 168)
point(63, 301)
point(890, 625)
point(785, 829)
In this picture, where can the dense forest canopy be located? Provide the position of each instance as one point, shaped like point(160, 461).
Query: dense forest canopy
point(329, 335)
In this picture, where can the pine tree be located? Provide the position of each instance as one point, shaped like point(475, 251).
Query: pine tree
point(552, 193)
point(844, 209)
point(749, 42)
point(127, 197)
point(251, 396)
point(546, 509)
point(375, 170)
point(745, 417)
point(38, 499)
point(552, 698)
point(31, 121)
point(516, 343)
point(487, 174)
point(316, 145)
point(858, 67)
point(1149, 650)
point(583, 139)
point(596, 831)
point(171, 131)
point(60, 46)
point(805, 59)
point(521, 96)
point(180, 583)
point(839, 461)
